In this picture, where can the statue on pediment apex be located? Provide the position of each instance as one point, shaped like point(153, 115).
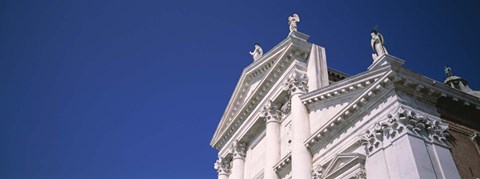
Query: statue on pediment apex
point(448, 71)
point(377, 43)
point(257, 52)
point(292, 21)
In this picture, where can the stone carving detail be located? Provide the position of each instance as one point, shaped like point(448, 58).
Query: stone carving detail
point(287, 105)
point(429, 129)
point(476, 138)
point(271, 112)
point(257, 52)
point(317, 172)
point(377, 44)
point(296, 83)
point(238, 150)
point(222, 166)
point(448, 71)
point(361, 174)
point(292, 21)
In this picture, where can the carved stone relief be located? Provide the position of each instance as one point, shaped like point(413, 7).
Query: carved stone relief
point(402, 121)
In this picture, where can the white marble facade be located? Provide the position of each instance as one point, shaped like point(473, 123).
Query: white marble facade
point(291, 117)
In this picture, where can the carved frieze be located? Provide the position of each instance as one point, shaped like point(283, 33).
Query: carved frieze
point(404, 120)
point(222, 166)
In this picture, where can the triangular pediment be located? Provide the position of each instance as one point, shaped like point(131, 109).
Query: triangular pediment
point(257, 75)
point(343, 164)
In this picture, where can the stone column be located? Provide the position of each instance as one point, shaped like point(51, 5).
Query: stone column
point(223, 168)
point(301, 157)
point(272, 117)
point(238, 161)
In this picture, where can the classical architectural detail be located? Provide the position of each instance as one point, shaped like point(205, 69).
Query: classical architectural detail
point(377, 44)
point(292, 21)
point(317, 172)
point(271, 112)
point(257, 52)
point(222, 166)
point(360, 174)
point(476, 137)
point(286, 106)
point(448, 71)
point(399, 115)
point(296, 83)
point(238, 150)
point(431, 129)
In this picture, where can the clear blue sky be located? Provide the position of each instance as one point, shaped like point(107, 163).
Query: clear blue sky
point(135, 89)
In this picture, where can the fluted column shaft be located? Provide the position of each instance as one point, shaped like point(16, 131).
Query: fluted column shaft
point(301, 157)
point(272, 156)
point(238, 161)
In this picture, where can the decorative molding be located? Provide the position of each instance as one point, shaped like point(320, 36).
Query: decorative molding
point(284, 163)
point(361, 174)
point(239, 150)
point(296, 83)
point(404, 120)
point(222, 166)
point(238, 110)
point(475, 137)
point(286, 106)
point(344, 165)
point(271, 113)
point(317, 172)
point(341, 117)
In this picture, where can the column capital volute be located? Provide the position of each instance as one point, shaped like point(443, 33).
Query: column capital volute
point(238, 150)
point(297, 83)
point(222, 165)
point(271, 112)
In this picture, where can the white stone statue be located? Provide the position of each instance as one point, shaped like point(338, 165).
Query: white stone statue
point(292, 21)
point(377, 44)
point(257, 52)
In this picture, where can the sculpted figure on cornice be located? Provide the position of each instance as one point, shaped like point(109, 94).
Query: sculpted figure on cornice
point(257, 52)
point(292, 21)
point(377, 43)
point(222, 166)
point(239, 150)
point(271, 112)
point(296, 83)
point(430, 129)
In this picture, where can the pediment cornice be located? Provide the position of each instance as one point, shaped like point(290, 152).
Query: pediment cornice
point(271, 66)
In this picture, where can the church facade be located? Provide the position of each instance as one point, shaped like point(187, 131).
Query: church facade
point(291, 116)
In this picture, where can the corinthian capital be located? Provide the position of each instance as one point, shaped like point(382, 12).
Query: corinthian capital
point(271, 112)
point(296, 83)
point(222, 166)
point(238, 150)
